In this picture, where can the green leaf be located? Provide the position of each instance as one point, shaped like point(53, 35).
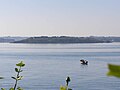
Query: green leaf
point(19, 88)
point(63, 87)
point(69, 89)
point(11, 89)
point(16, 69)
point(114, 70)
point(20, 77)
point(13, 78)
point(21, 64)
point(2, 89)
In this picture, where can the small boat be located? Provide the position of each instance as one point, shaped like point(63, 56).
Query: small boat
point(84, 62)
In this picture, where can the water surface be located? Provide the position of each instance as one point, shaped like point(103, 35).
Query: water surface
point(47, 65)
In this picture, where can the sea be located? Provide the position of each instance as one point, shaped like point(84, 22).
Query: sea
point(48, 65)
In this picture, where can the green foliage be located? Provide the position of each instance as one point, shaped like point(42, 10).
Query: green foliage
point(63, 87)
point(21, 64)
point(2, 89)
point(11, 89)
point(16, 69)
point(19, 88)
point(66, 86)
point(114, 70)
point(18, 76)
point(69, 89)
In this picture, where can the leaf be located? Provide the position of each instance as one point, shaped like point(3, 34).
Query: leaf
point(21, 64)
point(63, 87)
point(20, 77)
point(11, 89)
point(13, 78)
point(114, 70)
point(69, 89)
point(16, 69)
point(19, 88)
point(2, 89)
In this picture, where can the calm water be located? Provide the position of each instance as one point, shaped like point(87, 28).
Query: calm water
point(47, 65)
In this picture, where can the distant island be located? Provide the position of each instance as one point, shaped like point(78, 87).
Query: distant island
point(9, 39)
point(59, 39)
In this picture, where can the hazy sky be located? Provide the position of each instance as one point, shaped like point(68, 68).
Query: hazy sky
point(59, 17)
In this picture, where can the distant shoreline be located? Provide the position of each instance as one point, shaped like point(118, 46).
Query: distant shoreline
point(59, 39)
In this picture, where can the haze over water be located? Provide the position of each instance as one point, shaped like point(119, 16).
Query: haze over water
point(47, 65)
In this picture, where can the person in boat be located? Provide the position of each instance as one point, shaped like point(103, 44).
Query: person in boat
point(84, 62)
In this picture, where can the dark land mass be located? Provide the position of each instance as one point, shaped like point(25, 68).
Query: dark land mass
point(2, 40)
point(111, 39)
point(61, 39)
point(9, 39)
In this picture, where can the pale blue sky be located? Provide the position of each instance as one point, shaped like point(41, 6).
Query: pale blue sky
point(59, 17)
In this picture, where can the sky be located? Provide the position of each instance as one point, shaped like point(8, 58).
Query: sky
point(59, 17)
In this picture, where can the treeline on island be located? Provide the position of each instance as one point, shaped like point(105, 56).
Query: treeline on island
point(61, 39)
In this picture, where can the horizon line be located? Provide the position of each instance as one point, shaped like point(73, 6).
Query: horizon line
point(60, 35)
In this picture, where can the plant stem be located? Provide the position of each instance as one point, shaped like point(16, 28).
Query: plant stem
point(17, 79)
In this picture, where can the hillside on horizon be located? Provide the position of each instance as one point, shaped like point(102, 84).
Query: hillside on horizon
point(59, 39)
point(63, 39)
